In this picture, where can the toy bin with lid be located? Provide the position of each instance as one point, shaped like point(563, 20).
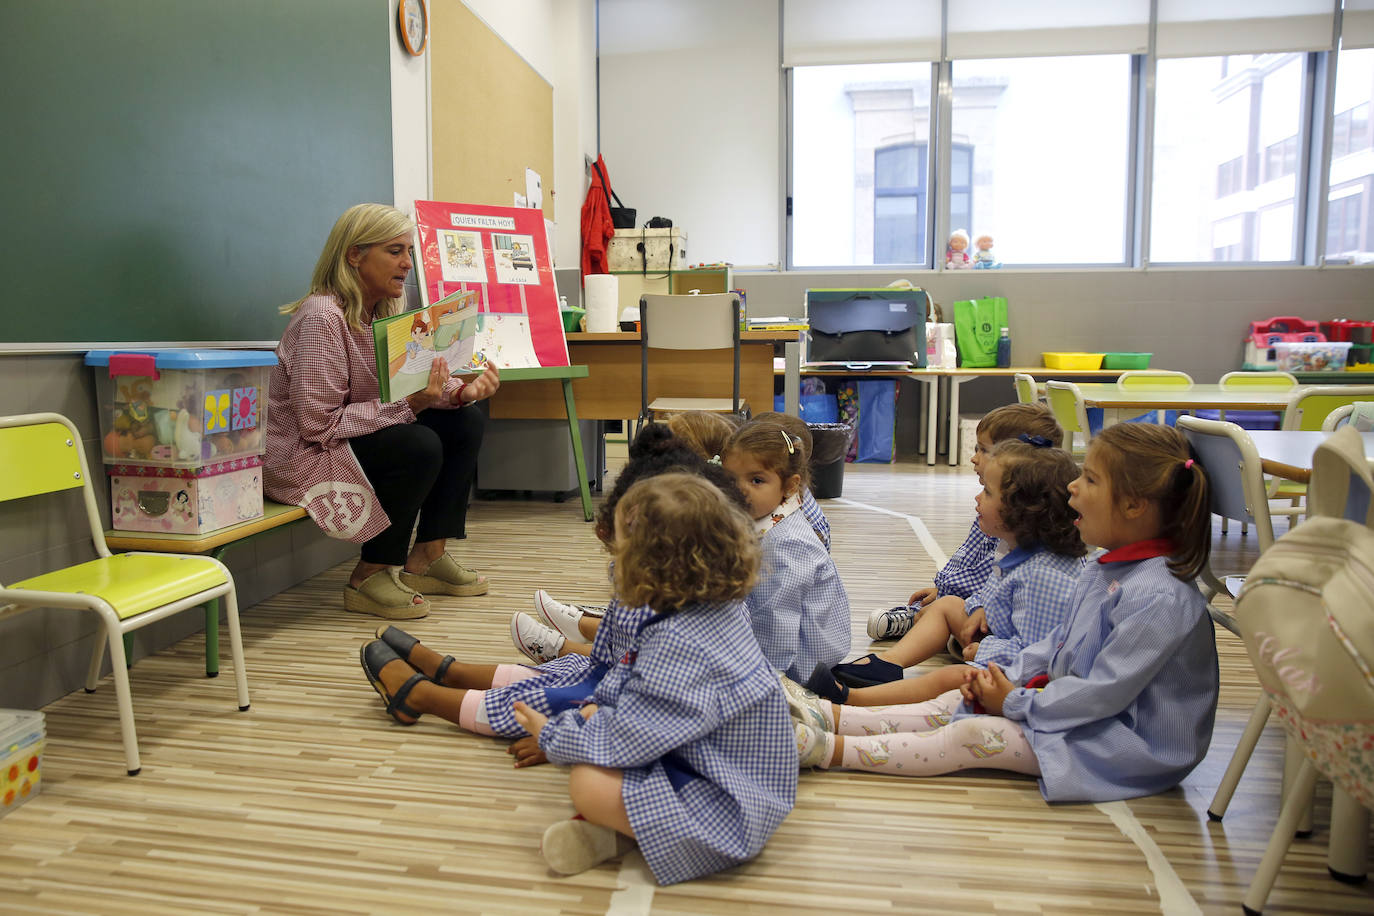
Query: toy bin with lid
point(181, 408)
point(1313, 356)
point(1126, 360)
point(185, 500)
point(21, 757)
point(1070, 360)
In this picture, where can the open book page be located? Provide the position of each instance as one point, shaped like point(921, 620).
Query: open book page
point(408, 343)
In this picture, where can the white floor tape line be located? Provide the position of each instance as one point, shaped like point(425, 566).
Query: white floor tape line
point(636, 894)
point(1173, 896)
point(922, 532)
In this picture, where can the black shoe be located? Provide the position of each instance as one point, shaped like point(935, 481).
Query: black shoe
point(870, 674)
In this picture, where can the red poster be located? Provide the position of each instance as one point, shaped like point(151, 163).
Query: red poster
point(503, 252)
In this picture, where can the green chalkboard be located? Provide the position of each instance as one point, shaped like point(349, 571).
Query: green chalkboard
point(171, 168)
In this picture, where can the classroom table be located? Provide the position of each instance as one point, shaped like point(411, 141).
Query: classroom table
point(1287, 453)
point(1133, 401)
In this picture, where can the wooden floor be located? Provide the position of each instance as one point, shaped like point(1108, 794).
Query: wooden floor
point(313, 801)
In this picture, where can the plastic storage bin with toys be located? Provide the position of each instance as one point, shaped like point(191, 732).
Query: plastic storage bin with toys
point(182, 435)
point(21, 757)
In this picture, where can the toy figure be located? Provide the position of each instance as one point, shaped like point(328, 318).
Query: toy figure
point(984, 259)
point(956, 253)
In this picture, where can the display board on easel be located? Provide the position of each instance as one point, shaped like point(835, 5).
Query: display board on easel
point(491, 113)
point(503, 253)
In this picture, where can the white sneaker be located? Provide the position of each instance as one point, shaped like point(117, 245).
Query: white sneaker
point(539, 643)
point(562, 617)
point(891, 623)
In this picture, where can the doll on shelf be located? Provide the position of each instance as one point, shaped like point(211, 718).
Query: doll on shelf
point(956, 253)
point(983, 258)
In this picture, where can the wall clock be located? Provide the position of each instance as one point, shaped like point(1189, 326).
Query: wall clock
point(412, 18)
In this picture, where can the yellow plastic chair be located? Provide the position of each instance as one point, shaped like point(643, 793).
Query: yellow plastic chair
point(1253, 381)
point(1154, 380)
point(1308, 409)
point(1066, 403)
point(1026, 389)
point(42, 454)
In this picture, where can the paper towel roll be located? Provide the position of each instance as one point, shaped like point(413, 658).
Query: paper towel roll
point(603, 303)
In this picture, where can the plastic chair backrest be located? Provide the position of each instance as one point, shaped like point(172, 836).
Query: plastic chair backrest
point(1233, 471)
point(1155, 378)
point(1337, 418)
point(42, 453)
point(1266, 381)
point(1308, 408)
point(705, 322)
point(1026, 392)
point(1066, 403)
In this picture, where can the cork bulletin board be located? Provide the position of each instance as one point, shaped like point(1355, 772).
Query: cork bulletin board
point(492, 114)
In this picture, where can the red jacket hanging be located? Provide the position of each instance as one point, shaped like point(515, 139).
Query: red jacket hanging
point(597, 229)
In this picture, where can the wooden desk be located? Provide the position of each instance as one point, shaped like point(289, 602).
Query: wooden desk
point(1132, 401)
point(1287, 453)
point(610, 391)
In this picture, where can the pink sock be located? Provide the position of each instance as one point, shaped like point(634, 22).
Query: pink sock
point(508, 674)
point(904, 717)
point(472, 715)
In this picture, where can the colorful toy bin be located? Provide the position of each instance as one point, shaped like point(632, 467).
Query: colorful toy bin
point(21, 757)
point(182, 433)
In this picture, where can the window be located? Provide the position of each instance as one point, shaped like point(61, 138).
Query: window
point(1344, 212)
point(860, 164)
point(899, 204)
point(1226, 139)
point(1352, 158)
point(1045, 143)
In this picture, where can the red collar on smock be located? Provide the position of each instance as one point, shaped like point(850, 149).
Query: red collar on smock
point(1140, 550)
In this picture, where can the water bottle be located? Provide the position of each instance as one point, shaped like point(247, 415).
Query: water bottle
point(1004, 350)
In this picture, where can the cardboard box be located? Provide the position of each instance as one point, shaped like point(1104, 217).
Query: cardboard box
point(663, 249)
point(181, 408)
point(185, 500)
point(21, 757)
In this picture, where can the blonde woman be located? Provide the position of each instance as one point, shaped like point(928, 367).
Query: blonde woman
point(367, 470)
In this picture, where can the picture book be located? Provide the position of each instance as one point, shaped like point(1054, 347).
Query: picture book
point(501, 254)
point(408, 343)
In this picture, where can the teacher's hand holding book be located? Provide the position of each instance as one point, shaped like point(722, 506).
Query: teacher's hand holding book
point(433, 392)
point(484, 386)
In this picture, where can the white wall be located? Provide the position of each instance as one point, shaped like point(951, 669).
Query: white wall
point(690, 96)
point(557, 39)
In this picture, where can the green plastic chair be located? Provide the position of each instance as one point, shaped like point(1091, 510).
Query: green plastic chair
point(42, 454)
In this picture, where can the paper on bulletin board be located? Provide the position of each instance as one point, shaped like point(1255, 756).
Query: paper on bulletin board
point(534, 190)
point(503, 252)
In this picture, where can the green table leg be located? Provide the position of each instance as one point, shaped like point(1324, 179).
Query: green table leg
point(575, 431)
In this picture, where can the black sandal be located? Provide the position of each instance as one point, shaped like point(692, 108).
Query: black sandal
point(403, 643)
point(823, 683)
point(875, 672)
point(375, 656)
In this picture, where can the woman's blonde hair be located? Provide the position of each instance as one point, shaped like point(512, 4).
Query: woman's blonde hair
point(680, 540)
point(704, 431)
point(361, 226)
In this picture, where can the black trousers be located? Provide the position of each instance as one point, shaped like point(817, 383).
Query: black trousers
point(422, 469)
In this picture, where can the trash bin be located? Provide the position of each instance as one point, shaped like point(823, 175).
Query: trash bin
point(829, 443)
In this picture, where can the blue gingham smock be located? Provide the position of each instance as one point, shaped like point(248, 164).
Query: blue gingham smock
point(799, 610)
point(812, 510)
point(1024, 599)
point(1133, 685)
point(567, 682)
point(695, 717)
point(969, 566)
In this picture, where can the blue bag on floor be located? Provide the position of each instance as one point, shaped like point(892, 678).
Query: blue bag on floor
point(815, 408)
point(877, 420)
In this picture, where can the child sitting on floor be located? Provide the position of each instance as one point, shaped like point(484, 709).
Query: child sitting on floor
point(1025, 505)
point(969, 566)
point(1119, 700)
point(686, 747)
point(799, 610)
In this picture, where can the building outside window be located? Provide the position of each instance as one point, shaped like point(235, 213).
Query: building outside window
point(1348, 217)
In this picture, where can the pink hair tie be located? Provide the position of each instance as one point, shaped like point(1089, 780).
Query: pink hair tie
point(1188, 463)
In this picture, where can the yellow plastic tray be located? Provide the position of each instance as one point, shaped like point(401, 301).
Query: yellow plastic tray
point(1072, 360)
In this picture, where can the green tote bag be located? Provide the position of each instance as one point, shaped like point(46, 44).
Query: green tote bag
point(977, 325)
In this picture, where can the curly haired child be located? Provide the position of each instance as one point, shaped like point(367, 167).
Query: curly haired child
point(686, 747)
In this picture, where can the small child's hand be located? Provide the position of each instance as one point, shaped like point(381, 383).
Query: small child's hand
point(970, 651)
point(966, 688)
point(527, 752)
point(922, 597)
point(588, 710)
point(972, 628)
point(991, 688)
point(530, 720)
